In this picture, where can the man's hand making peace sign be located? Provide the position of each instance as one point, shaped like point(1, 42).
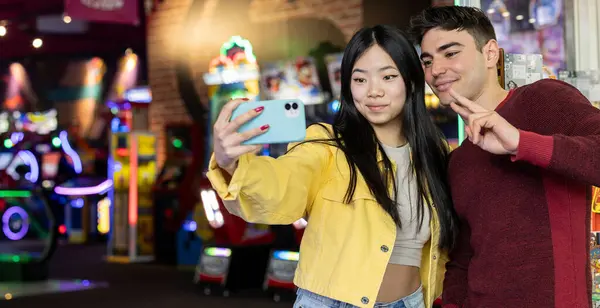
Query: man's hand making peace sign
point(486, 128)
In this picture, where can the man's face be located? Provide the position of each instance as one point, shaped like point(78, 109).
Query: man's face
point(451, 60)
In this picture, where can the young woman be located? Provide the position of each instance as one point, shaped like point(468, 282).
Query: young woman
point(372, 186)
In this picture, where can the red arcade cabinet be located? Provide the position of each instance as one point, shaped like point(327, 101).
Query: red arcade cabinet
point(238, 257)
point(279, 277)
point(174, 191)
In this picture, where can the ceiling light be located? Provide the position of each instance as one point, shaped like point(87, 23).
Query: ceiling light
point(37, 43)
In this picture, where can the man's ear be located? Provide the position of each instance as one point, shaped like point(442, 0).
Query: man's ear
point(491, 53)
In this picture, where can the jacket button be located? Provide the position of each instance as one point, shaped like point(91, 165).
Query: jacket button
point(364, 300)
point(434, 257)
point(384, 248)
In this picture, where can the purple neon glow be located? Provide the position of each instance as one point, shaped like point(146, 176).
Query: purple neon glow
point(34, 173)
point(84, 191)
point(28, 159)
point(15, 236)
point(16, 137)
point(66, 146)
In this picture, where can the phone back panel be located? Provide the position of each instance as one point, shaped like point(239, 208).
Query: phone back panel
point(286, 123)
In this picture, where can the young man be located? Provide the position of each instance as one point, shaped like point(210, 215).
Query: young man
point(519, 182)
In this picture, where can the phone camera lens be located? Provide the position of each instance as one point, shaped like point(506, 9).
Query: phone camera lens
point(288, 106)
point(294, 106)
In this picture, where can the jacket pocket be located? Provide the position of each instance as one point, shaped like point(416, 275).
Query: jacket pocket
point(335, 190)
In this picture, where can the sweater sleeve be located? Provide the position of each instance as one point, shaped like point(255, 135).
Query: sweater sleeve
point(565, 132)
point(455, 281)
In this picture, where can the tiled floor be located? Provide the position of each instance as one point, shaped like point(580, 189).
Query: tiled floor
point(119, 286)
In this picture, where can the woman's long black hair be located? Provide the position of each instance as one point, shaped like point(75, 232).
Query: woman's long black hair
point(353, 134)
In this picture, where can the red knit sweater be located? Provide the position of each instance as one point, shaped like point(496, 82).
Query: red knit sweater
point(525, 220)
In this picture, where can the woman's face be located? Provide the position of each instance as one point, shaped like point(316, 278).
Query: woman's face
point(377, 87)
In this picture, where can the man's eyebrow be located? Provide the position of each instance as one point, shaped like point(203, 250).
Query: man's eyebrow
point(441, 48)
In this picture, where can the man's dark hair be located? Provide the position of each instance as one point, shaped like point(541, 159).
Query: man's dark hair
point(450, 18)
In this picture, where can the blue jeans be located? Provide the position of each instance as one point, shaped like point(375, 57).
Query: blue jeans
point(307, 299)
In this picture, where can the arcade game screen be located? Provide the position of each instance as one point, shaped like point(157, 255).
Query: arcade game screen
point(50, 162)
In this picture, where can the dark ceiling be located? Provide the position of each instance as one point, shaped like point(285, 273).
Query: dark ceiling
point(99, 38)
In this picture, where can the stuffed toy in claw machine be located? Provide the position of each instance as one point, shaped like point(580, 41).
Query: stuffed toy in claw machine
point(595, 248)
point(595, 268)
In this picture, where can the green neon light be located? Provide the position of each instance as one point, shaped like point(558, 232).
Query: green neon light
point(461, 130)
point(15, 194)
point(217, 252)
point(10, 258)
point(239, 41)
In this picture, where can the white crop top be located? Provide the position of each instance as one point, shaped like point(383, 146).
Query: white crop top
point(409, 239)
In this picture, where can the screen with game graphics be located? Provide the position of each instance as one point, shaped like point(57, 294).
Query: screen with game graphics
point(50, 163)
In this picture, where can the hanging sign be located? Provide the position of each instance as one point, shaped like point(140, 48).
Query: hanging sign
point(110, 11)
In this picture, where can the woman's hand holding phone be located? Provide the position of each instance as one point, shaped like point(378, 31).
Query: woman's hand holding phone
point(227, 141)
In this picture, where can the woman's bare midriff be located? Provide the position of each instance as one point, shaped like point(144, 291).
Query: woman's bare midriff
point(399, 281)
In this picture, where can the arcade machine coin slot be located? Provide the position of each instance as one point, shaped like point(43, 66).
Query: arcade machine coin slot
point(237, 256)
point(174, 197)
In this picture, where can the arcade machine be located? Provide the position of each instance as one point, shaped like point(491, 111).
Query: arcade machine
point(236, 258)
point(294, 79)
point(29, 231)
point(132, 171)
point(232, 74)
point(86, 211)
point(174, 197)
point(195, 231)
point(36, 136)
point(595, 246)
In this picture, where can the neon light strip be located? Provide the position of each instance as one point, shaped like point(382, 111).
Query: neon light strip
point(217, 252)
point(103, 209)
point(15, 236)
point(15, 194)
point(287, 255)
point(133, 180)
point(461, 123)
point(66, 146)
point(84, 191)
point(16, 137)
point(30, 160)
point(461, 130)
point(245, 44)
point(111, 198)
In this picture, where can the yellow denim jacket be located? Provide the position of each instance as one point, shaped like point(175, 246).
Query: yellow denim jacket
point(346, 247)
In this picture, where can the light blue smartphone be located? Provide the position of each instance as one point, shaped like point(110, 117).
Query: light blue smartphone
point(286, 119)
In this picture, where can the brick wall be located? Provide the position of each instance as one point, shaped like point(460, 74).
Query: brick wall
point(165, 28)
point(442, 2)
